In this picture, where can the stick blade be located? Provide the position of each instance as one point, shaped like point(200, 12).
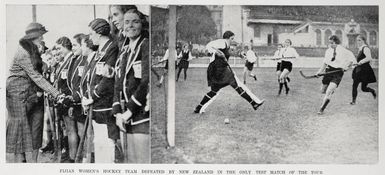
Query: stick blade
point(307, 76)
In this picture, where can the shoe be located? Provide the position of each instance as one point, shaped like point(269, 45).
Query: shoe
point(48, 148)
point(288, 79)
point(197, 109)
point(374, 94)
point(320, 112)
point(255, 77)
point(287, 91)
point(257, 105)
point(353, 103)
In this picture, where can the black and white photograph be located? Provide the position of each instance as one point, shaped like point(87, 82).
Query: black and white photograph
point(265, 84)
point(204, 87)
point(77, 84)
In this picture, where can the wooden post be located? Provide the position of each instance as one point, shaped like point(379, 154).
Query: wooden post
point(171, 77)
point(33, 13)
point(94, 11)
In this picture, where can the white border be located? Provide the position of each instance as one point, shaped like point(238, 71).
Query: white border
point(332, 169)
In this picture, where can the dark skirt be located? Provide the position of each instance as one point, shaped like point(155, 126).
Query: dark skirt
point(334, 77)
point(249, 65)
point(78, 114)
point(183, 64)
point(364, 73)
point(284, 65)
point(105, 117)
point(219, 73)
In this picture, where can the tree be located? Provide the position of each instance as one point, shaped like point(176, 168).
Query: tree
point(195, 24)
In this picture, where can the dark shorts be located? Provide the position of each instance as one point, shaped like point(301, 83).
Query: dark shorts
point(249, 65)
point(284, 65)
point(334, 77)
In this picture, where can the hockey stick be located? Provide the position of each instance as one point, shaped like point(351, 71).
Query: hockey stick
point(277, 58)
point(318, 75)
point(79, 153)
point(125, 143)
point(58, 151)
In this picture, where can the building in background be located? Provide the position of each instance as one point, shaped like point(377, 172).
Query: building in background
point(310, 26)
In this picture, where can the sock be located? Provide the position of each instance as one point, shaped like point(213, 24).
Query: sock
point(245, 95)
point(325, 104)
point(205, 99)
point(280, 88)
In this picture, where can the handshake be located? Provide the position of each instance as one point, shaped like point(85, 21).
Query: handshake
point(62, 99)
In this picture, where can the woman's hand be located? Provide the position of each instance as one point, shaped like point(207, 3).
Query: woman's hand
point(87, 101)
point(220, 53)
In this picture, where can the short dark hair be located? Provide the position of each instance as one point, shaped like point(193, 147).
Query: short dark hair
point(89, 43)
point(335, 39)
point(100, 26)
point(363, 38)
point(65, 42)
point(228, 34)
point(124, 8)
point(78, 37)
point(289, 41)
point(142, 17)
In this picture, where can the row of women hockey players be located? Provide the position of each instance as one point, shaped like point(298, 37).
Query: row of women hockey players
point(98, 87)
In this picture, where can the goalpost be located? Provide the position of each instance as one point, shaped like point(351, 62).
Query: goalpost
point(171, 77)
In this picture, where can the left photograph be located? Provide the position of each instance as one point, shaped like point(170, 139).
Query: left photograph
point(77, 87)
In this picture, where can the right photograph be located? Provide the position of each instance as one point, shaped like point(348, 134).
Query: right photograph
point(241, 84)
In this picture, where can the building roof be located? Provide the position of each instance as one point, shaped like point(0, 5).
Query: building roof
point(272, 21)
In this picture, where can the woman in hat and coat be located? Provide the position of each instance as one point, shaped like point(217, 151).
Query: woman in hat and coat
point(25, 75)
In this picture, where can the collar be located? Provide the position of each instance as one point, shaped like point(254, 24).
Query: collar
point(132, 44)
point(364, 45)
point(102, 45)
point(69, 54)
point(90, 56)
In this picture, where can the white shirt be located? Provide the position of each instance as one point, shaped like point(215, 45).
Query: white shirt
point(216, 44)
point(289, 52)
point(65, 59)
point(278, 54)
point(132, 44)
point(343, 59)
point(189, 55)
point(250, 56)
point(166, 56)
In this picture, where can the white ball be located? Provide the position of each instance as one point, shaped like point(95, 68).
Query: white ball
point(227, 121)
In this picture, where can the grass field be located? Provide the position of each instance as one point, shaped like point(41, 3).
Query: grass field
point(286, 129)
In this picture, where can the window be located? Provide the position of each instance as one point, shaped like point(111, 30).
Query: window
point(257, 31)
point(328, 33)
point(373, 38)
point(363, 33)
point(318, 37)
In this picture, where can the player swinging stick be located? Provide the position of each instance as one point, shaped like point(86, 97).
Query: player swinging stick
point(220, 75)
point(336, 58)
point(251, 57)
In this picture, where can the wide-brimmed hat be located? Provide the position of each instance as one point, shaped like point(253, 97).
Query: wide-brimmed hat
point(34, 30)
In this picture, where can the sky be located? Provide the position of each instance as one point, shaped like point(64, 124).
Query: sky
point(59, 20)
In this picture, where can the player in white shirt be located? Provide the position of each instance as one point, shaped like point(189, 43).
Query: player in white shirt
point(336, 58)
point(251, 58)
point(285, 66)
